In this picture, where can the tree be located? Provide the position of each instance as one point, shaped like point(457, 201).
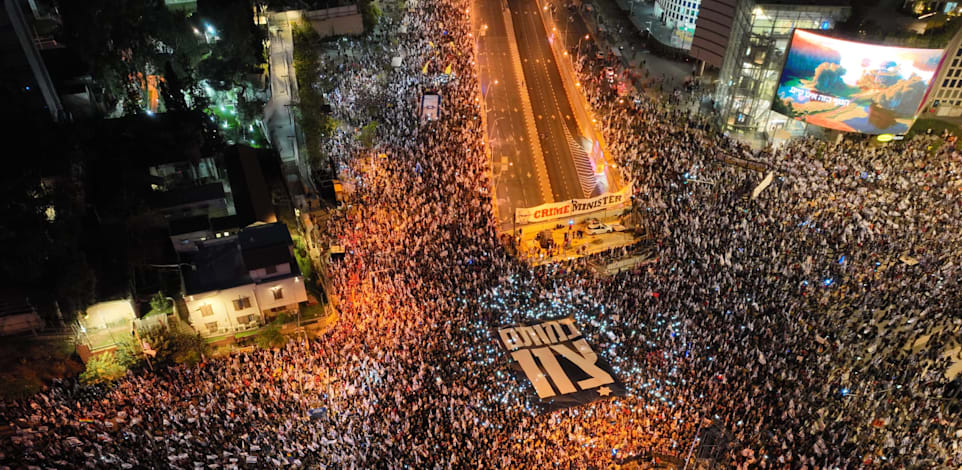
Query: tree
point(74, 282)
point(160, 303)
point(370, 13)
point(240, 47)
point(367, 134)
point(103, 368)
point(172, 345)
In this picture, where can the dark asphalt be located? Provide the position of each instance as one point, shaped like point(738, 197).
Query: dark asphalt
point(515, 176)
point(552, 110)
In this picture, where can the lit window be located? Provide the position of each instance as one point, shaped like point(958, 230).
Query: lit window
point(211, 327)
point(242, 303)
point(206, 310)
point(278, 293)
point(270, 269)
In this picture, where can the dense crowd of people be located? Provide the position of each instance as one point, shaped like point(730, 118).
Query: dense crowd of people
point(810, 327)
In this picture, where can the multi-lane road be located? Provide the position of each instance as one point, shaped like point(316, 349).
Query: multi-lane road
point(557, 128)
point(537, 151)
point(515, 156)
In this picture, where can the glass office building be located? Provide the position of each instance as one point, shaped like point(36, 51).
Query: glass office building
point(754, 48)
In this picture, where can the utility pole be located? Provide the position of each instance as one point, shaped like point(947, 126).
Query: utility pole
point(141, 344)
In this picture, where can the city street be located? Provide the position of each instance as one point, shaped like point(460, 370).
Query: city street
point(520, 176)
point(278, 114)
point(569, 170)
point(537, 148)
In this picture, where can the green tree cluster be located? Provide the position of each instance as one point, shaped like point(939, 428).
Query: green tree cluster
point(313, 121)
point(367, 134)
point(172, 344)
point(40, 219)
point(124, 41)
point(103, 368)
point(160, 303)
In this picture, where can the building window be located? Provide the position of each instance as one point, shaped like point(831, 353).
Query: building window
point(952, 84)
point(211, 327)
point(206, 310)
point(245, 319)
point(271, 269)
point(278, 293)
point(242, 303)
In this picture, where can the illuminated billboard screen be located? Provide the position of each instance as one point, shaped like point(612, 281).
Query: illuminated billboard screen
point(853, 86)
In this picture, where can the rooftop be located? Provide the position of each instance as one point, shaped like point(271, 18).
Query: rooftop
point(260, 235)
point(215, 266)
point(226, 262)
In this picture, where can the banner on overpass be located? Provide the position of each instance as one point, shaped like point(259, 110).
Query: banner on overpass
point(556, 359)
point(573, 207)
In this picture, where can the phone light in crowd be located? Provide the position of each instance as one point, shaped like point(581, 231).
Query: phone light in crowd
point(828, 281)
point(841, 260)
point(845, 392)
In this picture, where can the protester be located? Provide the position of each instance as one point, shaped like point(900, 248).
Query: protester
point(810, 324)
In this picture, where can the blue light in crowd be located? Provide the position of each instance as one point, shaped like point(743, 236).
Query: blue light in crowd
point(826, 25)
point(845, 392)
point(828, 282)
point(841, 260)
point(27, 88)
point(805, 283)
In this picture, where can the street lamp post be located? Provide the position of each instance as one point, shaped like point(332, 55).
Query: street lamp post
point(578, 50)
point(488, 91)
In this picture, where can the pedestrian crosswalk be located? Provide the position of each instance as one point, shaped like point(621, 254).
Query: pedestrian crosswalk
point(586, 173)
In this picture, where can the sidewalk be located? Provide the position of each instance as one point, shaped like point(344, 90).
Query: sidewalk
point(279, 114)
point(626, 36)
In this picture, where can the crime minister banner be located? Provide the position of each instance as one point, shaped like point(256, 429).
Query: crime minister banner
point(559, 363)
point(573, 207)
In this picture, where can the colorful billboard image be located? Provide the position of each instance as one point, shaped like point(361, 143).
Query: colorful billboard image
point(853, 86)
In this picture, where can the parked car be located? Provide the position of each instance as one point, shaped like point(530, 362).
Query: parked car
point(599, 228)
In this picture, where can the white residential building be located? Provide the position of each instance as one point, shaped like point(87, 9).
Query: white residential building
point(242, 281)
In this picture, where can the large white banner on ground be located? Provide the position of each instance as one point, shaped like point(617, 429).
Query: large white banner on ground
point(558, 362)
point(573, 207)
